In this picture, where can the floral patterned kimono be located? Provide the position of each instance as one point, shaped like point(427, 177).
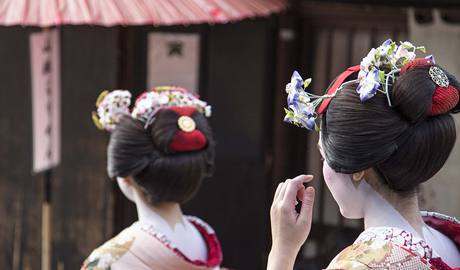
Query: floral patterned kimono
point(140, 247)
point(393, 248)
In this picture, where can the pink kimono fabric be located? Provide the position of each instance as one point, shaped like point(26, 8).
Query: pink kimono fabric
point(142, 248)
point(395, 249)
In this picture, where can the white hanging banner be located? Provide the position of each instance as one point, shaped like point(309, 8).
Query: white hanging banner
point(173, 59)
point(45, 71)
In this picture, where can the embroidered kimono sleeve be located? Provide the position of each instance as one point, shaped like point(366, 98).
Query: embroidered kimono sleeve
point(103, 257)
point(375, 254)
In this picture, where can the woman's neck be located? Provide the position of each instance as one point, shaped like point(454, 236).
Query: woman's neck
point(393, 210)
point(170, 212)
point(167, 219)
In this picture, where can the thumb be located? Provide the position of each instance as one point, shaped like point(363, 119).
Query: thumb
point(306, 212)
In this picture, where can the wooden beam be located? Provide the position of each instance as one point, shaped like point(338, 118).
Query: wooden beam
point(398, 3)
point(333, 14)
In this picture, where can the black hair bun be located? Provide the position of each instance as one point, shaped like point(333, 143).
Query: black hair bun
point(145, 155)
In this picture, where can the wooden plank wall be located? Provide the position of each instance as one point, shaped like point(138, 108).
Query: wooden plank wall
point(81, 211)
point(82, 197)
point(21, 194)
point(238, 85)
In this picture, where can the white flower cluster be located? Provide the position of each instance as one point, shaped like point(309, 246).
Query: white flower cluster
point(149, 103)
point(110, 107)
point(380, 62)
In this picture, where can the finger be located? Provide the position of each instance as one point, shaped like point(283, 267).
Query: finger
point(306, 212)
point(300, 194)
point(283, 190)
point(294, 185)
point(277, 192)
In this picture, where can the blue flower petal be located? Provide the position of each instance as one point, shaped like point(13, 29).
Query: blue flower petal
point(287, 119)
point(374, 73)
point(310, 123)
point(369, 85)
point(431, 59)
point(387, 42)
point(296, 80)
point(292, 98)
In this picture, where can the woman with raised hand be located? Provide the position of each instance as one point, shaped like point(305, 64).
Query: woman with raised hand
point(386, 127)
point(159, 153)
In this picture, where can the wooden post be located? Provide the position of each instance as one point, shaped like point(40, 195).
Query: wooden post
point(46, 222)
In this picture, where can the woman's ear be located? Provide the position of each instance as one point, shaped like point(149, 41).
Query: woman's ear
point(126, 180)
point(357, 177)
point(127, 187)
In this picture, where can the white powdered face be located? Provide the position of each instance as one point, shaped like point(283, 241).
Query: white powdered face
point(349, 197)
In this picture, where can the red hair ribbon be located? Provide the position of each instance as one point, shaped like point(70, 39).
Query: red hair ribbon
point(338, 82)
point(444, 98)
point(187, 141)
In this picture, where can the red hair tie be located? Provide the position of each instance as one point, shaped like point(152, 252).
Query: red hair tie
point(187, 138)
point(416, 63)
point(338, 82)
point(445, 97)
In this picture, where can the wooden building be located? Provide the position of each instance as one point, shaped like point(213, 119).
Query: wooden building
point(243, 69)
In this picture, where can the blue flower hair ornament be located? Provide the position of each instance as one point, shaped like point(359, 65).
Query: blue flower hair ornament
point(377, 72)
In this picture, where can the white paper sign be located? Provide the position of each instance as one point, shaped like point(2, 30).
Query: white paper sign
point(173, 59)
point(45, 71)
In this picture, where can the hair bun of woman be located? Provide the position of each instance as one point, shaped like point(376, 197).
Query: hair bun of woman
point(416, 96)
point(146, 155)
point(444, 100)
point(405, 143)
point(169, 137)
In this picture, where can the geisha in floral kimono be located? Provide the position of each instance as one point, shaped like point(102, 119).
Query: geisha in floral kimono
point(159, 152)
point(386, 127)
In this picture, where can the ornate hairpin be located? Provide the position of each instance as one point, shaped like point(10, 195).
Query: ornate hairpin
point(377, 73)
point(438, 76)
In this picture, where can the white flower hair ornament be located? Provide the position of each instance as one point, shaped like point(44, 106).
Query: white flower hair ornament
point(150, 102)
point(381, 66)
point(112, 105)
point(377, 72)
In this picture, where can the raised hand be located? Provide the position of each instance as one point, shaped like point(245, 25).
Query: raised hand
point(290, 228)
